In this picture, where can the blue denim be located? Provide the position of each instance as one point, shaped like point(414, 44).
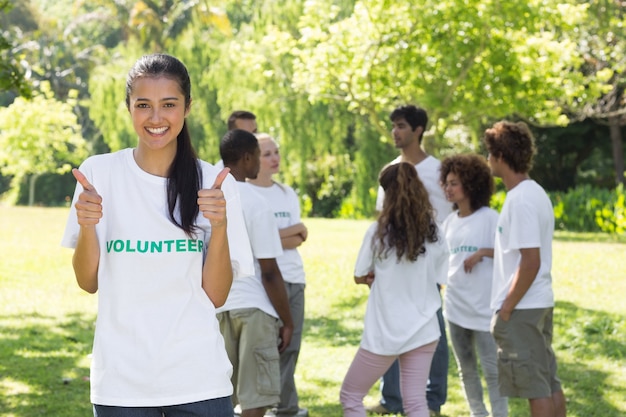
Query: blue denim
point(437, 388)
point(218, 407)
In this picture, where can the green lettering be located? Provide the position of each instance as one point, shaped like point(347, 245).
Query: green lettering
point(118, 246)
point(128, 247)
point(156, 247)
point(143, 249)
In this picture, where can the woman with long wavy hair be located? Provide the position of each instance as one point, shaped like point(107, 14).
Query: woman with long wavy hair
point(401, 259)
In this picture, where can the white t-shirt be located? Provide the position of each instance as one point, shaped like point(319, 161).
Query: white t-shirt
point(401, 312)
point(468, 295)
point(249, 292)
point(428, 172)
point(157, 340)
point(526, 221)
point(284, 202)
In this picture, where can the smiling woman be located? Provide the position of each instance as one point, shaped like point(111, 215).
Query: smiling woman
point(158, 110)
point(153, 240)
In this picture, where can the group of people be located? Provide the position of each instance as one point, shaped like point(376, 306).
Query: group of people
point(201, 287)
point(435, 228)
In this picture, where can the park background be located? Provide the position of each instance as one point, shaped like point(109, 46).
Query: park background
point(322, 77)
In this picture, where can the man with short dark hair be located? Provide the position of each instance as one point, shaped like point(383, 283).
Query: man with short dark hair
point(242, 119)
point(521, 293)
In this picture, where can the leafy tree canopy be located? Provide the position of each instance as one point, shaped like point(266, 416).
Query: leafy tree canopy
point(13, 76)
point(39, 135)
point(464, 61)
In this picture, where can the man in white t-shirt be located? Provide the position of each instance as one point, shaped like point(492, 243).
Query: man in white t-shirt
point(409, 123)
point(521, 294)
point(255, 320)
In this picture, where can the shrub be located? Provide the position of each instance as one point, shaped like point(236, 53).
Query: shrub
point(590, 209)
point(583, 209)
point(611, 218)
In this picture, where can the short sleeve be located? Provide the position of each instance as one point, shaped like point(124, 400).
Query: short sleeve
point(238, 241)
point(365, 258)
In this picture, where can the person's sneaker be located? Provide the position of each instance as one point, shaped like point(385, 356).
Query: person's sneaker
point(377, 409)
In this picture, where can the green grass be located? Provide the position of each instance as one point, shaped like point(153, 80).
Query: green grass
point(46, 322)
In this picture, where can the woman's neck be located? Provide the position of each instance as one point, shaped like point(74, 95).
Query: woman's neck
point(465, 208)
point(154, 163)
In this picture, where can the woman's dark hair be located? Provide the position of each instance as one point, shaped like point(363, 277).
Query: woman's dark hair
point(184, 178)
point(474, 175)
point(406, 221)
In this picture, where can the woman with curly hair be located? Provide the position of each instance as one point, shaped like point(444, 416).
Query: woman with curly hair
point(470, 234)
point(401, 259)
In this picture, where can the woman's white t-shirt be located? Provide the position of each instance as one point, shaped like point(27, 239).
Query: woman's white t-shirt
point(284, 202)
point(468, 295)
point(401, 312)
point(157, 339)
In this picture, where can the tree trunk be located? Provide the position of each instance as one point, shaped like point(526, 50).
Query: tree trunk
point(31, 189)
point(618, 149)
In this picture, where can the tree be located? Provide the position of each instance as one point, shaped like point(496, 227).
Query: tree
point(253, 70)
point(13, 76)
point(602, 44)
point(37, 136)
point(188, 30)
point(467, 62)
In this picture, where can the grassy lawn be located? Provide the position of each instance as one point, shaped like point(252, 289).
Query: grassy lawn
point(46, 322)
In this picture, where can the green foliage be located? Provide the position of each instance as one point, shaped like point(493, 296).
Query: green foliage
point(583, 209)
point(107, 88)
point(611, 218)
point(323, 75)
point(39, 136)
point(13, 75)
point(480, 59)
point(329, 180)
point(577, 154)
point(497, 200)
point(53, 190)
point(589, 209)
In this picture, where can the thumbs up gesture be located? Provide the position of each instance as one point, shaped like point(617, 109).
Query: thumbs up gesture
point(212, 203)
point(89, 204)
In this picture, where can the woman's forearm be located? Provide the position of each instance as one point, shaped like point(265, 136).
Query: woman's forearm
point(217, 273)
point(86, 259)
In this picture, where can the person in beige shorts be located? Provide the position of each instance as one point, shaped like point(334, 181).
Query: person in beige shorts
point(255, 321)
point(521, 294)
